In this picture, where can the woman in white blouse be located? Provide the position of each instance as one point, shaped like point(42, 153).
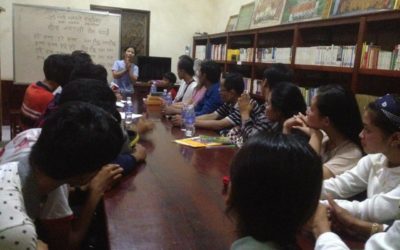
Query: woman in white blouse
point(378, 173)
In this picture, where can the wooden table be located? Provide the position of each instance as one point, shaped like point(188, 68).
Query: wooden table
point(175, 200)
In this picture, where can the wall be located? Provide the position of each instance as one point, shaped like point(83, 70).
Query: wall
point(172, 24)
point(227, 8)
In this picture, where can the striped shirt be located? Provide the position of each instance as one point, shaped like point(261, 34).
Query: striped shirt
point(256, 123)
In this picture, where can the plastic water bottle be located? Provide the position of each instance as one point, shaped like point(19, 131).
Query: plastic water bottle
point(153, 89)
point(164, 95)
point(168, 99)
point(189, 120)
point(128, 109)
point(183, 115)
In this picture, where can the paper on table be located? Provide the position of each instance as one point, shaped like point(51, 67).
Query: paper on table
point(134, 116)
point(120, 104)
point(205, 141)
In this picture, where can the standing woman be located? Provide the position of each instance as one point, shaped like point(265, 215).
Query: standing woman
point(125, 72)
point(333, 111)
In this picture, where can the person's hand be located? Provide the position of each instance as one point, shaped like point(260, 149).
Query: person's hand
point(139, 152)
point(144, 125)
point(128, 65)
point(40, 245)
point(177, 120)
point(105, 178)
point(289, 124)
point(245, 106)
point(320, 221)
point(342, 220)
point(301, 124)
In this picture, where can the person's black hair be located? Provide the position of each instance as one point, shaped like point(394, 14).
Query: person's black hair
point(80, 57)
point(170, 77)
point(287, 99)
point(276, 183)
point(127, 47)
point(91, 91)
point(340, 106)
point(90, 71)
point(234, 81)
point(277, 73)
point(79, 138)
point(185, 57)
point(185, 63)
point(211, 69)
point(380, 120)
point(58, 67)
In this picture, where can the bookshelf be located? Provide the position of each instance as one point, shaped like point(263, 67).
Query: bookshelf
point(321, 39)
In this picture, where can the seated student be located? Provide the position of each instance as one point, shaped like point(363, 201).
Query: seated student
point(57, 69)
point(378, 173)
point(82, 69)
point(206, 98)
point(75, 143)
point(98, 93)
point(185, 73)
point(168, 81)
point(333, 110)
point(267, 200)
point(284, 101)
point(272, 77)
point(226, 116)
point(321, 227)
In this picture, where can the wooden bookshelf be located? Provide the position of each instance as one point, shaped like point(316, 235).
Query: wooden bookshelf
point(324, 68)
point(379, 28)
point(380, 72)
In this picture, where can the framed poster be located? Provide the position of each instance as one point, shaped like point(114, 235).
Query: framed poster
point(353, 7)
point(245, 15)
point(267, 13)
point(231, 25)
point(302, 10)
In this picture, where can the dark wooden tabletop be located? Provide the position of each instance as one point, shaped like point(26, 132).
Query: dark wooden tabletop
point(175, 200)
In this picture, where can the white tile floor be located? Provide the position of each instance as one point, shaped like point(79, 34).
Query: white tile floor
point(5, 133)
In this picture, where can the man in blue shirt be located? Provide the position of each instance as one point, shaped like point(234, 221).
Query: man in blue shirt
point(209, 76)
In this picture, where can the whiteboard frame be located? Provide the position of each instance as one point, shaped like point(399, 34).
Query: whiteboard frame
point(62, 9)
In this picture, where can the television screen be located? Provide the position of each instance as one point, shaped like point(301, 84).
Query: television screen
point(153, 68)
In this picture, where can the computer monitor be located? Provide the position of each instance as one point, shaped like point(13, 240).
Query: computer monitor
point(152, 68)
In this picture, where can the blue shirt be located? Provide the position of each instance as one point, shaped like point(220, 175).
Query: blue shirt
point(124, 82)
point(210, 102)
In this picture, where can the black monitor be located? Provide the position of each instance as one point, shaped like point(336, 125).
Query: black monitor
point(153, 68)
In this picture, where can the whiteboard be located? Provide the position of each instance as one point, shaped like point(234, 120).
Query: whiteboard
point(39, 31)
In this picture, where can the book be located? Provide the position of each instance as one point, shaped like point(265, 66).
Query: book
point(302, 10)
point(205, 141)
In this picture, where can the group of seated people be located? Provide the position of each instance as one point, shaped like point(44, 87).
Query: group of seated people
point(287, 151)
point(297, 167)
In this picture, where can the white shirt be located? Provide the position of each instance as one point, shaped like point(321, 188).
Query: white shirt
point(56, 205)
point(187, 95)
point(389, 240)
point(382, 185)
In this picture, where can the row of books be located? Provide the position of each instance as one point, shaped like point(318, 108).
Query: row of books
point(252, 86)
point(240, 55)
point(372, 57)
point(333, 55)
point(274, 55)
point(308, 94)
